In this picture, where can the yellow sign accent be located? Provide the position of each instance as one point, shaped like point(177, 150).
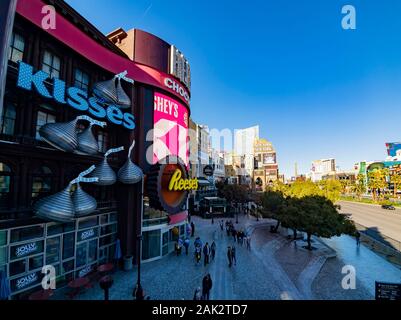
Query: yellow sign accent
point(178, 184)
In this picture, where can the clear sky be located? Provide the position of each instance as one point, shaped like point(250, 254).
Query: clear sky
point(315, 89)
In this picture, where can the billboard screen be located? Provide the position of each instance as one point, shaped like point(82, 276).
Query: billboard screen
point(392, 148)
point(269, 158)
point(170, 135)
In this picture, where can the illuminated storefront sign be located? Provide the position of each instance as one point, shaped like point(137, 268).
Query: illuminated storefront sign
point(170, 129)
point(26, 281)
point(74, 97)
point(177, 183)
point(177, 87)
point(26, 249)
point(161, 181)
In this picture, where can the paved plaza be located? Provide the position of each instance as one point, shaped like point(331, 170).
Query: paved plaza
point(275, 268)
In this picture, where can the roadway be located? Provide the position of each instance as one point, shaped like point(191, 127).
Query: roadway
point(385, 222)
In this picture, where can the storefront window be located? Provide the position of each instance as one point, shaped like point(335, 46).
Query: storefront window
point(25, 234)
point(35, 262)
point(58, 228)
point(51, 64)
point(16, 49)
point(151, 244)
point(26, 249)
point(88, 222)
point(5, 185)
point(41, 182)
point(17, 267)
point(81, 80)
point(68, 245)
point(92, 251)
point(45, 115)
point(87, 234)
point(68, 266)
point(3, 256)
point(52, 250)
point(111, 228)
point(81, 254)
point(26, 281)
point(3, 237)
point(9, 115)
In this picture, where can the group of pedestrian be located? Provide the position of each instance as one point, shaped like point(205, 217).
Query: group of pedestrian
point(209, 251)
point(238, 236)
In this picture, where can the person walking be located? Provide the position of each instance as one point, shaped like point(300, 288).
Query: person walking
point(206, 253)
point(186, 245)
point(198, 254)
point(213, 250)
point(358, 238)
point(233, 256)
point(192, 229)
point(207, 284)
point(248, 242)
point(229, 256)
point(197, 294)
point(234, 234)
point(221, 225)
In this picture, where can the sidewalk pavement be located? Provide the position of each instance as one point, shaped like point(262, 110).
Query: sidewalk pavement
point(271, 270)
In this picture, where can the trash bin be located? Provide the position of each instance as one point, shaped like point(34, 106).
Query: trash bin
point(127, 263)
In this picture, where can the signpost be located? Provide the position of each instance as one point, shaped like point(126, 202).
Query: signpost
point(208, 171)
point(387, 291)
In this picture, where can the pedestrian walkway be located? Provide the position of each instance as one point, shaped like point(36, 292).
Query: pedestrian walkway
point(273, 269)
point(369, 266)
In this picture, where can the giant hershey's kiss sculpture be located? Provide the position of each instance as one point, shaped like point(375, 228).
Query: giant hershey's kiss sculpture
point(67, 205)
point(130, 173)
point(104, 172)
point(111, 91)
point(64, 136)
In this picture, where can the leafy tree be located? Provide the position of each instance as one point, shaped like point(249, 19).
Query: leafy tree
point(377, 181)
point(318, 216)
point(360, 185)
point(331, 189)
point(301, 189)
point(395, 179)
point(289, 215)
point(280, 187)
point(272, 202)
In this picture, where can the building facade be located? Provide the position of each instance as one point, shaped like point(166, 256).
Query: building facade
point(244, 140)
point(322, 168)
point(50, 81)
point(266, 166)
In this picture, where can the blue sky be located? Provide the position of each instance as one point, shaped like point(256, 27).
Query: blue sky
point(315, 89)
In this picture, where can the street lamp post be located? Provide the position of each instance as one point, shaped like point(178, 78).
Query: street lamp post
point(138, 291)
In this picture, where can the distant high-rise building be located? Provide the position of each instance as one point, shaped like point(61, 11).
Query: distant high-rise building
point(243, 146)
point(321, 168)
point(266, 167)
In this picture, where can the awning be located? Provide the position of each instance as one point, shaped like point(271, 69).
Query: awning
point(203, 182)
point(177, 218)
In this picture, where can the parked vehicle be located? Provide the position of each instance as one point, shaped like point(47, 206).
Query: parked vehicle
point(388, 207)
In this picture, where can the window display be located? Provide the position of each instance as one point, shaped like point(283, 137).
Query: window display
point(68, 245)
point(52, 250)
point(25, 234)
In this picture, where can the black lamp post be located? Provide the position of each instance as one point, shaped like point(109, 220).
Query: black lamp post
point(138, 291)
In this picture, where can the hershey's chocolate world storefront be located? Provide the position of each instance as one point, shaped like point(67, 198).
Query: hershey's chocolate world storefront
point(87, 120)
